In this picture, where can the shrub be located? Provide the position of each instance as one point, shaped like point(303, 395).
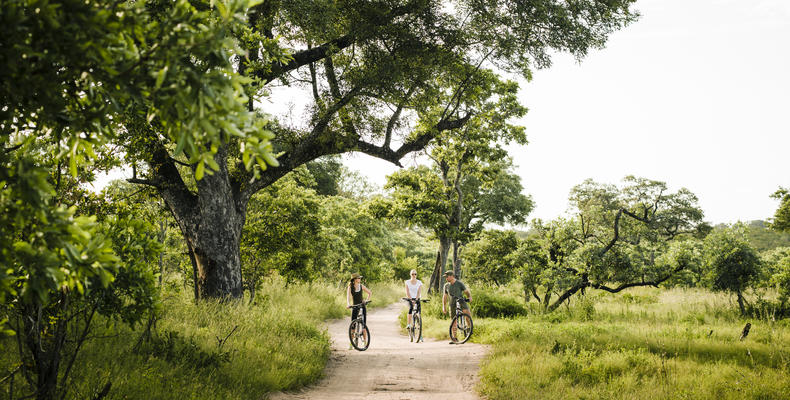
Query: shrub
point(489, 304)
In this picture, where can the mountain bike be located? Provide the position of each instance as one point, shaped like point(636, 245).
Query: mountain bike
point(415, 330)
point(462, 324)
point(358, 331)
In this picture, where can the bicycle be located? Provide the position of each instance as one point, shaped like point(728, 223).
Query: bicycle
point(358, 331)
point(415, 331)
point(462, 322)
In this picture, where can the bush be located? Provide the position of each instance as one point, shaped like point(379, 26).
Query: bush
point(489, 304)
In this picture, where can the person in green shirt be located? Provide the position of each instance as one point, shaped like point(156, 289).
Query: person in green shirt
point(455, 290)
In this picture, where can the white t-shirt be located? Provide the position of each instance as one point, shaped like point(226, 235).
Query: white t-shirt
point(413, 288)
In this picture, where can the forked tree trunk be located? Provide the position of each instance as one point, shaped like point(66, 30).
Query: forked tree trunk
point(441, 262)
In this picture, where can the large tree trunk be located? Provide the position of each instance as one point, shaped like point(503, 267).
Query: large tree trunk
point(441, 262)
point(457, 259)
point(211, 221)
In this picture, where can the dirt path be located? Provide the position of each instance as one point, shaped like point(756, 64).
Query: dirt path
point(393, 368)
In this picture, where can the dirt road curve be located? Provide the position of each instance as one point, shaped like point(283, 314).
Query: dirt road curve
point(392, 368)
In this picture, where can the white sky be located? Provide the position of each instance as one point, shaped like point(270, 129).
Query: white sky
point(696, 94)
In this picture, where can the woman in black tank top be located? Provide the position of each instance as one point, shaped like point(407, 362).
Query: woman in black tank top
point(354, 292)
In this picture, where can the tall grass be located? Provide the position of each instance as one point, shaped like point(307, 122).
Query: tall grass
point(645, 343)
point(213, 350)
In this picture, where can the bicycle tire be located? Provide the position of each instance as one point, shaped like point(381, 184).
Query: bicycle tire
point(411, 332)
point(466, 327)
point(357, 332)
point(417, 326)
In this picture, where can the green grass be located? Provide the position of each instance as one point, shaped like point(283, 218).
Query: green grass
point(276, 344)
point(646, 343)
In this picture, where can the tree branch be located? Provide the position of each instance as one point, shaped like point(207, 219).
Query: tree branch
point(395, 117)
point(12, 148)
point(150, 182)
point(616, 233)
point(654, 283)
point(314, 54)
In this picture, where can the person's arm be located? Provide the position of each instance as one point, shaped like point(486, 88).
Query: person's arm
point(365, 288)
point(419, 291)
point(406, 285)
point(348, 296)
point(468, 294)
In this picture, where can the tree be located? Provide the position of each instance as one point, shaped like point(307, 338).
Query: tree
point(65, 269)
point(281, 232)
point(469, 185)
point(79, 70)
point(731, 263)
point(386, 78)
point(781, 220)
point(488, 257)
point(529, 261)
point(616, 237)
point(685, 257)
point(455, 207)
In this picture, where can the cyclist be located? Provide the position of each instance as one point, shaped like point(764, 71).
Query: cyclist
point(413, 290)
point(354, 292)
point(455, 290)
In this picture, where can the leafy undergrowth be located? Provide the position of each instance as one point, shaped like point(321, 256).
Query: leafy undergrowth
point(214, 350)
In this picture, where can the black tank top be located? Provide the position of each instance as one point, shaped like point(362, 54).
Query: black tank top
point(356, 295)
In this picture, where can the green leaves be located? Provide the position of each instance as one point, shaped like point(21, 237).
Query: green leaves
point(781, 220)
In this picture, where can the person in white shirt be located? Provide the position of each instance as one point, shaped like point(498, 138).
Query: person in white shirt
point(413, 291)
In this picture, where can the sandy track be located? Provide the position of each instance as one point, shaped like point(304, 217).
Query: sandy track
point(393, 368)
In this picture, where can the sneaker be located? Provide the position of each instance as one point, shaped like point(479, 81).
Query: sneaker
point(408, 326)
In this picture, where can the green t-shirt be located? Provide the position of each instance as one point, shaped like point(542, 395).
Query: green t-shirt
point(455, 289)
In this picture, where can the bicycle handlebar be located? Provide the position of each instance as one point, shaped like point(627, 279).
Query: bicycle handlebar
point(360, 304)
point(414, 299)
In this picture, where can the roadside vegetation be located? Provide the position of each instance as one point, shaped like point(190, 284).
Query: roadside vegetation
point(647, 343)
point(211, 350)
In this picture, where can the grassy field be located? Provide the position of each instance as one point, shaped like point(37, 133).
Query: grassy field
point(646, 343)
point(216, 351)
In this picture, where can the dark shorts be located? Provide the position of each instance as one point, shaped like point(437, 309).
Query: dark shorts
point(411, 306)
point(355, 314)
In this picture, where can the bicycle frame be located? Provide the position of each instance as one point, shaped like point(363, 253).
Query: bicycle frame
point(416, 318)
point(461, 321)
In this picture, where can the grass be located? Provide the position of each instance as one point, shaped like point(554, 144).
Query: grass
point(213, 350)
point(646, 343)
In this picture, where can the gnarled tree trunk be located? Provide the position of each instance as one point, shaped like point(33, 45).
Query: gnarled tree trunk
point(211, 221)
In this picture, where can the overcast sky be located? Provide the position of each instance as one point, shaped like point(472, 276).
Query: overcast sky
point(696, 94)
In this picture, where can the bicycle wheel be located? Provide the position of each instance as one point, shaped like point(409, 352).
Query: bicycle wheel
point(417, 326)
point(359, 335)
point(411, 331)
point(464, 328)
